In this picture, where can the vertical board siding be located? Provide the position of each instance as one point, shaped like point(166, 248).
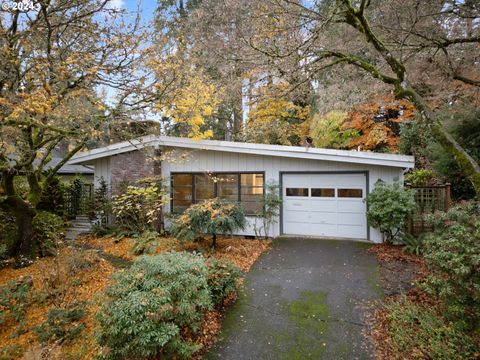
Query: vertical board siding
point(102, 169)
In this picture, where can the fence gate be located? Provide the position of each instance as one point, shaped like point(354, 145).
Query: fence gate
point(78, 199)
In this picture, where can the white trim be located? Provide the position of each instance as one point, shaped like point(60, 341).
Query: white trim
point(346, 156)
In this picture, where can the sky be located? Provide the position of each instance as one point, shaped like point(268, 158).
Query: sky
point(147, 7)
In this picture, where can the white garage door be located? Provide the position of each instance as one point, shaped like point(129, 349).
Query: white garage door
point(325, 205)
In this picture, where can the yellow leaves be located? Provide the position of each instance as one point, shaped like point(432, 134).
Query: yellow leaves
point(4, 102)
point(39, 102)
point(277, 120)
point(192, 103)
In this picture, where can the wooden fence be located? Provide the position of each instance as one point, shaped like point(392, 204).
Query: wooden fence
point(429, 199)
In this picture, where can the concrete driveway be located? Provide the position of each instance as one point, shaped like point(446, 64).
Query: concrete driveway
point(304, 299)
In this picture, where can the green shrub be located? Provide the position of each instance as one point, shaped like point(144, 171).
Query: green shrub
point(146, 243)
point(412, 244)
point(223, 279)
point(101, 230)
point(52, 197)
point(8, 232)
point(148, 305)
point(423, 334)
point(100, 206)
point(62, 324)
point(215, 216)
point(139, 207)
point(452, 253)
point(15, 298)
point(48, 232)
point(270, 207)
point(389, 207)
point(419, 177)
point(10, 352)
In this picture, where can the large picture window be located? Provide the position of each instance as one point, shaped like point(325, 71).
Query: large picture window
point(246, 188)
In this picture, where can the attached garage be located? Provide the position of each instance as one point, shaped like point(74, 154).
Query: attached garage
point(322, 190)
point(325, 204)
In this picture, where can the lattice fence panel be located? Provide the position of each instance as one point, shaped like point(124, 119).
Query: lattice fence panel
point(429, 200)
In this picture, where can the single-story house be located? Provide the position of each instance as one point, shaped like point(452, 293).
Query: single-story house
point(323, 190)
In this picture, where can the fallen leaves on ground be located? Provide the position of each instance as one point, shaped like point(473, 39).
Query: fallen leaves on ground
point(80, 283)
point(242, 252)
point(388, 252)
point(120, 248)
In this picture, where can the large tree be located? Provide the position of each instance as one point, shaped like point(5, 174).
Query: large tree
point(52, 60)
point(418, 48)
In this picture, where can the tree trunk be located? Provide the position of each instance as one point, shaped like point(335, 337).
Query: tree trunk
point(237, 110)
point(467, 164)
point(214, 241)
point(24, 213)
point(24, 244)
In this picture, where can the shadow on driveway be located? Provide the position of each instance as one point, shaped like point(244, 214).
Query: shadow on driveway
point(304, 299)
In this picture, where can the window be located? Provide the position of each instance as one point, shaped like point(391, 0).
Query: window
point(323, 192)
point(350, 193)
point(188, 189)
point(251, 191)
point(297, 191)
point(181, 191)
point(227, 186)
point(204, 187)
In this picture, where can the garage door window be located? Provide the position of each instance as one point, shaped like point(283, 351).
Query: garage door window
point(316, 192)
point(350, 193)
point(297, 192)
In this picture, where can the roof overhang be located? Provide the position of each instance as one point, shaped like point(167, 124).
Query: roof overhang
point(298, 152)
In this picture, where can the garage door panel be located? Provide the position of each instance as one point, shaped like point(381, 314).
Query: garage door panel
point(351, 219)
point(297, 229)
point(349, 231)
point(323, 230)
point(297, 216)
point(351, 206)
point(323, 218)
point(300, 205)
point(323, 206)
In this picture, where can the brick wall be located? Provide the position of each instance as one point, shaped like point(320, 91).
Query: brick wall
point(132, 166)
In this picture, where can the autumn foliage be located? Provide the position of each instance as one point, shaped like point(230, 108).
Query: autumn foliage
point(378, 125)
point(371, 126)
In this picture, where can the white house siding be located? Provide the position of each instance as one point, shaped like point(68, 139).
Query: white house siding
point(102, 169)
point(216, 161)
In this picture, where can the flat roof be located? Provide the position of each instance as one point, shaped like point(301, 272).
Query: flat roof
point(300, 152)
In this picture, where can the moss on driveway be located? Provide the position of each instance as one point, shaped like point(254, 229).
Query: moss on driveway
point(304, 299)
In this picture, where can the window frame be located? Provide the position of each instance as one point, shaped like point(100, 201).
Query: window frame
point(215, 192)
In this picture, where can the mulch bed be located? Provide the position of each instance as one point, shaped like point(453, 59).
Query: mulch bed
point(399, 269)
